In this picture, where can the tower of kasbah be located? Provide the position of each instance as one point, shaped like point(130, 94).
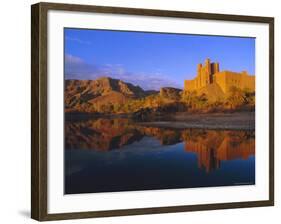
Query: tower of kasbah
point(210, 73)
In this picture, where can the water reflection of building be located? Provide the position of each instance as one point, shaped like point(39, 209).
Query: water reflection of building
point(212, 147)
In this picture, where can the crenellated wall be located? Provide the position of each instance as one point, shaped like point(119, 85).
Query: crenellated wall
point(210, 73)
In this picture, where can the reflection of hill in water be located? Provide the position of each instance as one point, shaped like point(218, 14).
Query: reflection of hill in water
point(210, 146)
point(100, 134)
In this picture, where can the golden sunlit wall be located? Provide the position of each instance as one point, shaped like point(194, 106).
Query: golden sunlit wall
point(210, 73)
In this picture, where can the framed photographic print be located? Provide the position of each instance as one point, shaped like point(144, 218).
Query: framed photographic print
point(139, 111)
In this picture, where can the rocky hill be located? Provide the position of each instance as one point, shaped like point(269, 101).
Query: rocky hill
point(112, 96)
point(88, 95)
point(170, 93)
point(213, 92)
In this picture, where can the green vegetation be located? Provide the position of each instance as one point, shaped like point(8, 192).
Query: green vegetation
point(236, 99)
point(111, 96)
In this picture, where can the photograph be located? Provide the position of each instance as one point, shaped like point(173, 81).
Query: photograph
point(157, 111)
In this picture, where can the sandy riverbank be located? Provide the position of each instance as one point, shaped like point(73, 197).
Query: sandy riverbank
point(236, 120)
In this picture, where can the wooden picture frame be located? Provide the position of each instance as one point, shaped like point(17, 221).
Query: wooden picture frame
point(39, 108)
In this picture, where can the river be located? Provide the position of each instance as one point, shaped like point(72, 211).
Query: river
point(110, 155)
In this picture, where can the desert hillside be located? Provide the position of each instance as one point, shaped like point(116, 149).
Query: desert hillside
point(112, 96)
point(87, 95)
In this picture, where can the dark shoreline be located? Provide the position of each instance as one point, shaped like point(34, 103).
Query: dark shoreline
point(86, 116)
point(186, 125)
point(225, 121)
point(242, 120)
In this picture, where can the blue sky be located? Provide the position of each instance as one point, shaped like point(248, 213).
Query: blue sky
point(151, 60)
